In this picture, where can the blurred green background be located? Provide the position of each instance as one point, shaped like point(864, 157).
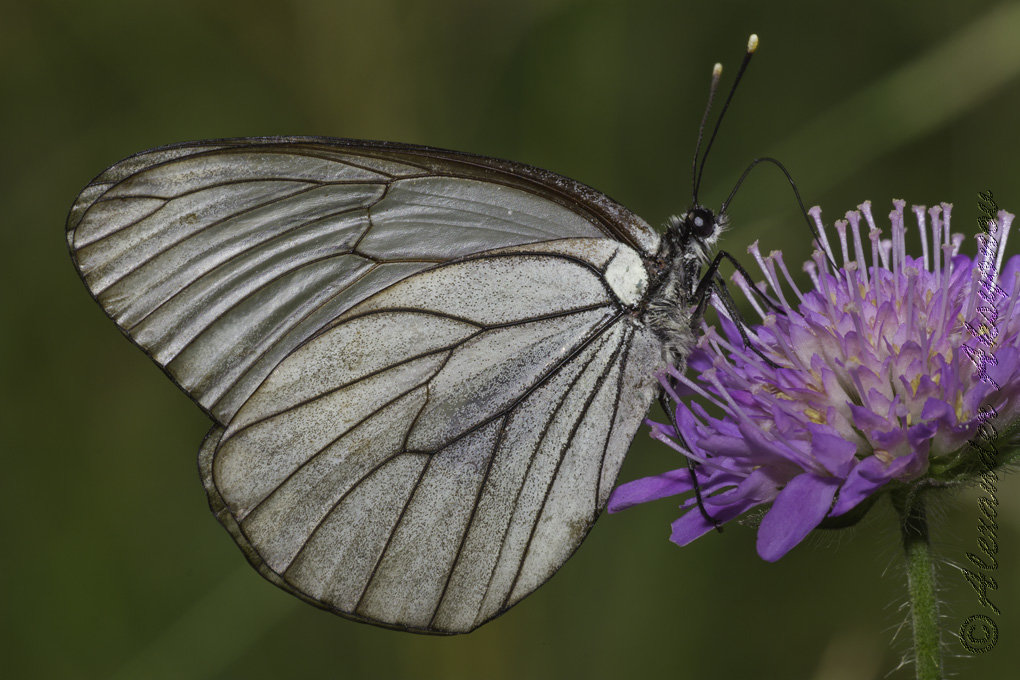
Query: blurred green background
point(112, 566)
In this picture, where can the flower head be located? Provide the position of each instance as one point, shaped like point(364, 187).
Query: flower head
point(881, 373)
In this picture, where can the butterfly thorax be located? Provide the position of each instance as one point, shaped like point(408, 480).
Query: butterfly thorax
point(684, 250)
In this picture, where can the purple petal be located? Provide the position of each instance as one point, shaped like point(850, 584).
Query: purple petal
point(712, 479)
point(693, 525)
point(867, 420)
point(1009, 270)
point(919, 436)
point(864, 479)
point(762, 485)
point(762, 450)
point(699, 361)
point(650, 489)
point(1005, 364)
point(935, 409)
point(890, 439)
point(798, 509)
point(910, 466)
point(726, 446)
point(758, 487)
point(872, 474)
point(831, 450)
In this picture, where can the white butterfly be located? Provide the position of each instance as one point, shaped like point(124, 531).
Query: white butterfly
point(424, 367)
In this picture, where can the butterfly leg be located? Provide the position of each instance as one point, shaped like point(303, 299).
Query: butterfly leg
point(747, 277)
point(712, 283)
point(691, 465)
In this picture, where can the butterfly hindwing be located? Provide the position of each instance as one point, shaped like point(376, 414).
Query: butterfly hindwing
point(426, 468)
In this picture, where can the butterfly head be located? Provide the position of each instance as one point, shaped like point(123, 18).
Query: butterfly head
point(694, 233)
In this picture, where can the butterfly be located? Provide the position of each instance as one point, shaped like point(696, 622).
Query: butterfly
point(424, 367)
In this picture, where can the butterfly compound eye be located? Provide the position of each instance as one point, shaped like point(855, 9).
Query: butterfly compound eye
point(701, 222)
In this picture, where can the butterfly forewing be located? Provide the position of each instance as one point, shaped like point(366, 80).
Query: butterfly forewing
point(199, 251)
point(425, 366)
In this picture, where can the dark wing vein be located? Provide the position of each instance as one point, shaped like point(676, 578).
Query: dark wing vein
point(243, 253)
point(470, 520)
point(280, 329)
point(393, 532)
point(628, 339)
point(563, 451)
point(203, 229)
point(545, 377)
point(348, 492)
point(531, 461)
point(366, 376)
point(166, 201)
point(368, 212)
point(343, 434)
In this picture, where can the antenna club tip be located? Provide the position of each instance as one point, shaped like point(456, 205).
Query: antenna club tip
point(752, 43)
point(717, 70)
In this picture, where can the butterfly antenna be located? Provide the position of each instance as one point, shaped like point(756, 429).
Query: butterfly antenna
point(752, 45)
point(800, 202)
point(716, 75)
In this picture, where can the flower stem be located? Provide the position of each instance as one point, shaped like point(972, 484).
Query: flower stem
point(924, 613)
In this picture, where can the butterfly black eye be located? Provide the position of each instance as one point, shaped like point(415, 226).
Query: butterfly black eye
point(701, 222)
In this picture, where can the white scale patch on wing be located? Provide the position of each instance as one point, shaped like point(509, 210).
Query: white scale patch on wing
point(623, 268)
point(627, 276)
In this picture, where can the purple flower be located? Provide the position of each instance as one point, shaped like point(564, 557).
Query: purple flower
point(882, 374)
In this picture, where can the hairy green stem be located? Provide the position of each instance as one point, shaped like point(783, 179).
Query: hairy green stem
point(924, 614)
